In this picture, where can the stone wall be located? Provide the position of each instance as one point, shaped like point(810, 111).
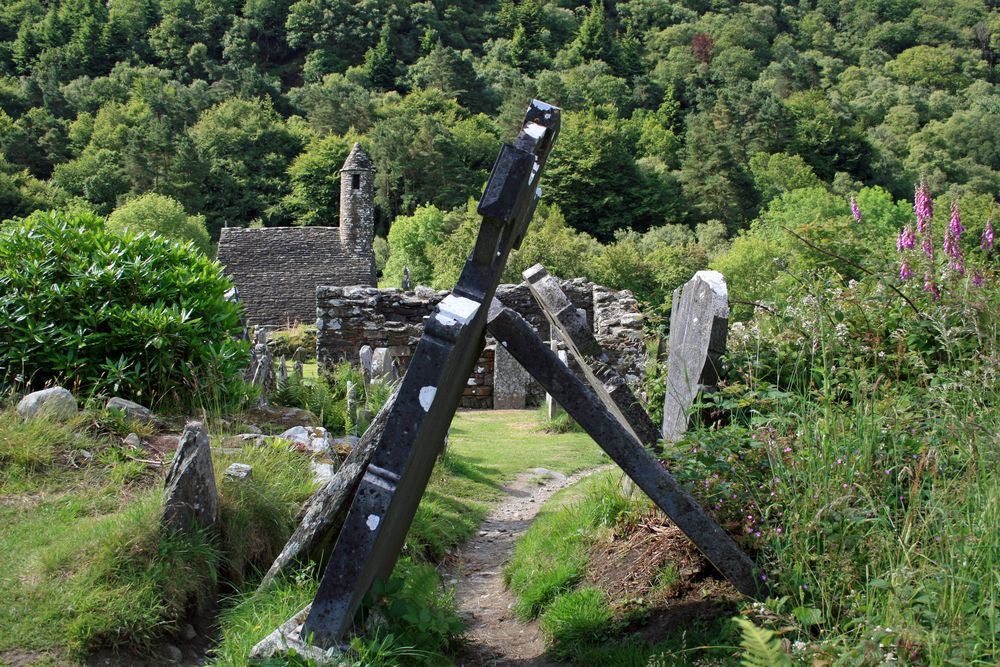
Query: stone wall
point(349, 317)
point(277, 269)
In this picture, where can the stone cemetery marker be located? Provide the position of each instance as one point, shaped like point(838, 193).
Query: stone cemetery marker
point(510, 382)
point(282, 371)
point(352, 407)
point(261, 371)
point(190, 497)
point(406, 278)
point(579, 339)
point(552, 407)
point(622, 446)
point(416, 424)
point(365, 358)
point(699, 322)
point(299, 370)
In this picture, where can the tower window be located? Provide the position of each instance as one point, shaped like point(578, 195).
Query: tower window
point(355, 181)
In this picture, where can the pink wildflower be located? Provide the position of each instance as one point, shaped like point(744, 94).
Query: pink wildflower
point(923, 207)
point(907, 239)
point(977, 279)
point(927, 246)
point(953, 250)
point(955, 224)
point(987, 241)
point(855, 211)
point(905, 272)
point(931, 287)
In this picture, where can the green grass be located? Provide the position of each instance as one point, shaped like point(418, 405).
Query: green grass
point(578, 618)
point(485, 451)
point(84, 562)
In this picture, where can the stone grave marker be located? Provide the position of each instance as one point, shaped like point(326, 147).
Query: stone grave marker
point(698, 327)
point(365, 358)
point(621, 445)
point(191, 499)
point(510, 382)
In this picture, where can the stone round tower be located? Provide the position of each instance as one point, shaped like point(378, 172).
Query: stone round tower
point(357, 208)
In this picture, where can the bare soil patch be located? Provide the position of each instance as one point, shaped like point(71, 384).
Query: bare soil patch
point(655, 574)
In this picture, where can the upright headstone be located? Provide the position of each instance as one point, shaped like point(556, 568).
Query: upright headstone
point(282, 371)
point(299, 369)
point(510, 382)
point(191, 499)
point(576, 334)
point(621, 445)
point(699, 322)
point(406, 278)
point(261, 371)
point(352, 407)
point(365, 359)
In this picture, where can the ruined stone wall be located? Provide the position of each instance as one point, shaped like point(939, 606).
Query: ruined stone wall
point(349, 317)
point(277, 269)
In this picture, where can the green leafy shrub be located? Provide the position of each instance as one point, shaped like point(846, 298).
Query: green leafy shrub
point(284, 342)
point(101, 311)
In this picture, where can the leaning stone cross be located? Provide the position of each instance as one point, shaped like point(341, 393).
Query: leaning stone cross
point(415, 427)
point(699, 321)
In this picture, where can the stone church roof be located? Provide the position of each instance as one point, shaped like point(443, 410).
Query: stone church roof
point(358, 160)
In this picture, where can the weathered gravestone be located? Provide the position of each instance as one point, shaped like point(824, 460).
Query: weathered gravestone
point(576, 334)
point(365, 358)
point(352, 407)
point(599, 421)
point(191, 499)
point(410, 431)
point(261, 370)
point(510, 382)
point(698, 327)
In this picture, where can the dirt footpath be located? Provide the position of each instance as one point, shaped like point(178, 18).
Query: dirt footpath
point(494, 636)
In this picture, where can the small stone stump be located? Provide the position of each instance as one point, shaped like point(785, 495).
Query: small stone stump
point(699, 322)
point(191, 498)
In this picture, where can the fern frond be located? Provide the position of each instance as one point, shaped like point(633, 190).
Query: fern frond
point(761, 648)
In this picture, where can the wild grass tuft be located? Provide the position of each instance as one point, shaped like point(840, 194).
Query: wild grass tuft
point(576, 619)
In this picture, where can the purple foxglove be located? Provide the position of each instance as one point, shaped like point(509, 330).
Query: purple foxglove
point(855, 211)
point(955, 224)
point(987, 241)
point(905, 272)
point(923, 207)
point(977, 278)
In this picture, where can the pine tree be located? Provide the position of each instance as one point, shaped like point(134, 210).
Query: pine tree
point(594, 41)
point(380, 63)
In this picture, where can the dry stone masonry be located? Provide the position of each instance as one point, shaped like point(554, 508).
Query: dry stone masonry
point(277, 269)
point(351, 318)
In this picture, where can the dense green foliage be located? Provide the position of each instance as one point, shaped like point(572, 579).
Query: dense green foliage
point(678, 113)
point(106, 312)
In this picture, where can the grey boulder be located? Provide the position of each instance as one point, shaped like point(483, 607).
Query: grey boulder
point(131, 410)
point(55, 403)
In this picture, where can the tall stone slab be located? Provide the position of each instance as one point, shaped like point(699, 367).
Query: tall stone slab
point(415, 427)
point(576, 333)
point(621, 445)
point(191, 499)
point(510, 382)
point(699, 323)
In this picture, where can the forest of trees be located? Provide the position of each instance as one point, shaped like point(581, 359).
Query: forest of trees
point(692, 126)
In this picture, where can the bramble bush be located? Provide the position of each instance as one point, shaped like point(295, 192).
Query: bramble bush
point(107, 312)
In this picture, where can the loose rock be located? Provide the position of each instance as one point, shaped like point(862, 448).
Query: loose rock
point(55, 403)
point(238, 472)
point(316, 439)
point(131, 410)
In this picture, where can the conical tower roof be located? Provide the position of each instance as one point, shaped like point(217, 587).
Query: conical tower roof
point(358, 160)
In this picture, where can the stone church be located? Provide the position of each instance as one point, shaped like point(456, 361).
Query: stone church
point(277, 269)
